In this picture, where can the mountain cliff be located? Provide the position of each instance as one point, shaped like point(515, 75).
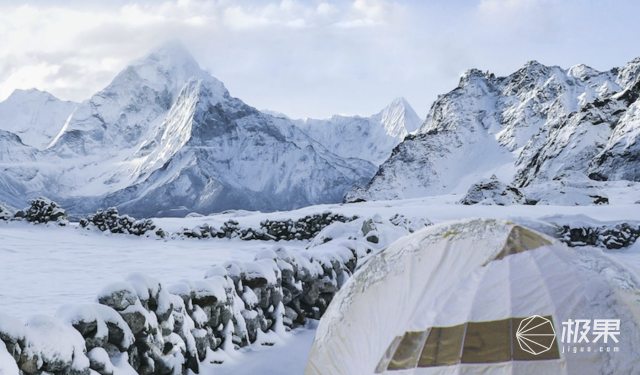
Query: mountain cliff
point(562, 135)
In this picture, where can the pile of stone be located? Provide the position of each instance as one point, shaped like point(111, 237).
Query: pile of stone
point(304, 228)
point(614, 236)
point(110, 220)
point(41, 211)
point(140, 325)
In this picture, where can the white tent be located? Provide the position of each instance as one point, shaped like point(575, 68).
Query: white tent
point(478, 297)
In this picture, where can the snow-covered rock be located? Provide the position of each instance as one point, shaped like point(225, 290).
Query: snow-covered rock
point(43, 210)
point(5, 212)
point(493, 191)
point(109, 220)
point(369, 138)
point(539, 124)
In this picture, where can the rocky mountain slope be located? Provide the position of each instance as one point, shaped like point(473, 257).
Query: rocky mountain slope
point(166, 138)
point(562, 136)
point(368, 138)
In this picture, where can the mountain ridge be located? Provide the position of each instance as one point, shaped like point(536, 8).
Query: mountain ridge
point(538, 125)
point(165, 137)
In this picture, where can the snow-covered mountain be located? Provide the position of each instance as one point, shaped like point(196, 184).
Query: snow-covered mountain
point(35, 116)
point(368, 138)
point(165, 137)
point(558, 134)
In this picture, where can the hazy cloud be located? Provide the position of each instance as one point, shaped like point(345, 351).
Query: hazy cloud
point(310, 58)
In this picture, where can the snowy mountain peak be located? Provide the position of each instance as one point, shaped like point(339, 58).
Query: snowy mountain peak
point(399, 118)
point(35, 116)
point(470, 76)
point(582, 72)
point(629, 73)
point(534, 64)
point(29, 94)
point(168, 67)
point(130, 112)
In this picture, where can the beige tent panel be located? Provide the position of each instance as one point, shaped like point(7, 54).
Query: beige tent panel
point(384, 362)
point(443, 346)
point(487, 342)
point(493, 341)
point(521, 239)
point(408, 352)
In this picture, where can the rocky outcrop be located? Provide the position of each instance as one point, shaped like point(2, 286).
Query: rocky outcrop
point(493, 191)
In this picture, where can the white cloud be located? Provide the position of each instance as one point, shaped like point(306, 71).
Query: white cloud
point(309, 57)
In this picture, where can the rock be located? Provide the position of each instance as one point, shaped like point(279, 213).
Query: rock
point(493, 192)
point(110, 221)
point(614, 236)
point(119, 296)
point(100, 362)
point(373, 237)
point(43, 210)
point(5, 213)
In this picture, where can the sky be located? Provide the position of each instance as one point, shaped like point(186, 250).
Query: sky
point(312, 58)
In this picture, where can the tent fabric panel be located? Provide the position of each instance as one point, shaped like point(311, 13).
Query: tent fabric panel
point(520, 240)
point(487, 342)
point(408, 351)
point(443, 346)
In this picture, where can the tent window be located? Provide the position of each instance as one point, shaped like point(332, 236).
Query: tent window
point(487, 342)
point(443, 346)
point(384, 362)
point(408, 351)
point(473, 342)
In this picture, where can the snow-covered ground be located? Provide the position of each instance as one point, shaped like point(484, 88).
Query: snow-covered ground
point(289, 356)
point(48, 266)
point(435, 209)
point(45, 267)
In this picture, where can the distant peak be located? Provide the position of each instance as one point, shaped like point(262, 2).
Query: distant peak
point(172, 48)
point(534, 66)
point(471, 75)
point(171, 53)
point(400, 101)
point(170, 66)
point(399, 117)
point(582, 71)
point(20, 94)
point(533, 63)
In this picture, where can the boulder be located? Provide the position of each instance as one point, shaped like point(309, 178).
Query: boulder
point(493, 192)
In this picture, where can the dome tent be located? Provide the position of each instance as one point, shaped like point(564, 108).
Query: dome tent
point(468, 298)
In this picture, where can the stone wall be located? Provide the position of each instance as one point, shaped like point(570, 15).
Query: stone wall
point(145, 326)
point(612, 236)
